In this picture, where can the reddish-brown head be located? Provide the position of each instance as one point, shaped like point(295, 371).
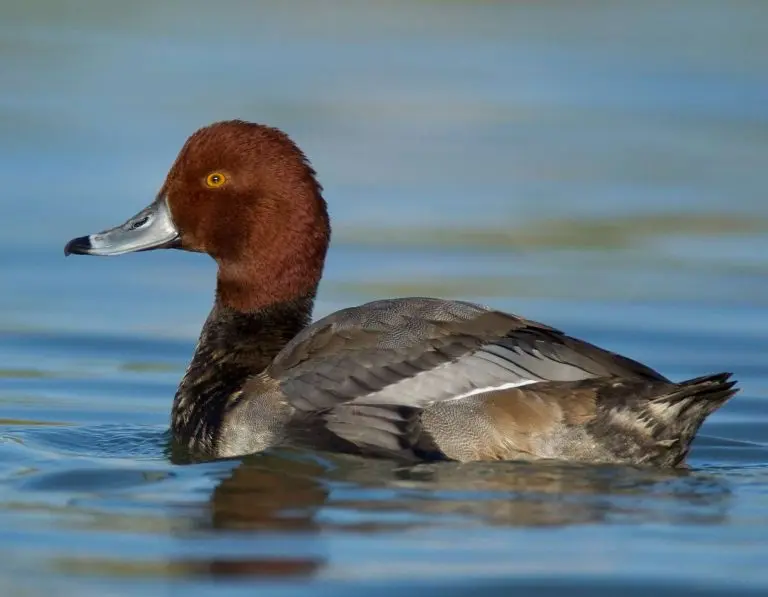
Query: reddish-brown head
point(245, 194)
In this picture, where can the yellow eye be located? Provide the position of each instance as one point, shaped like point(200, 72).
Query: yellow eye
point(215, 179)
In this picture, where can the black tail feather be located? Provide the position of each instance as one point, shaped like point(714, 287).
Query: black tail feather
point(706, 393)
point(694, 399)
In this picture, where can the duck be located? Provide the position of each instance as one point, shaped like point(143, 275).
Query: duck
point(413, 378)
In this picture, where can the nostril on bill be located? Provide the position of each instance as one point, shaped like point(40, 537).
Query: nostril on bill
point(138, 223)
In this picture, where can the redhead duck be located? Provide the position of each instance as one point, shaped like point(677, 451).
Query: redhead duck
point(411, 378)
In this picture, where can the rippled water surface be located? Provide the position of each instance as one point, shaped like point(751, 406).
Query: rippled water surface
point(599, 166)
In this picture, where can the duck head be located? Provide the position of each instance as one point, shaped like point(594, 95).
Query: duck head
point(247, 196)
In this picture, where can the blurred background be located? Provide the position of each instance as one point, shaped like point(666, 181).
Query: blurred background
point(600, 166)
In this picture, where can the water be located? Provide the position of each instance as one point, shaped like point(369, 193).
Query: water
point(598, 166)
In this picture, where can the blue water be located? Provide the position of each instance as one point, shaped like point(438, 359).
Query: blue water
point(597, 166)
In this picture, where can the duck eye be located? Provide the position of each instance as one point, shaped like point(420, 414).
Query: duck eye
point(215, 179)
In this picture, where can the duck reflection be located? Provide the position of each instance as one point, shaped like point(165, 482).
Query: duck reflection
point(522, 494)
point(519, 494)
point(270, 492)
point(272, 495)
point(295, 494)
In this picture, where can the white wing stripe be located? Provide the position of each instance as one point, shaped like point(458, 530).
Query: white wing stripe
point(504, 386)
point(449, 381)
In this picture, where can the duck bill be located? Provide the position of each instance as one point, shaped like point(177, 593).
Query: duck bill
point(151, 228)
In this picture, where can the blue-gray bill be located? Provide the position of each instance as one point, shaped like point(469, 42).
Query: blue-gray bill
point(151, 228)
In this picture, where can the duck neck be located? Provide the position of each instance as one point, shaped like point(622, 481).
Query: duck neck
point(233, 345)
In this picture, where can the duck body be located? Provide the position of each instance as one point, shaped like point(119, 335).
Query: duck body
point(426, 379)
point(409, 378)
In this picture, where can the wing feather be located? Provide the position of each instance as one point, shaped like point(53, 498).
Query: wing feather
point(414, 352)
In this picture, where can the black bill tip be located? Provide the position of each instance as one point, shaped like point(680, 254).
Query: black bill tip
point(78, 246)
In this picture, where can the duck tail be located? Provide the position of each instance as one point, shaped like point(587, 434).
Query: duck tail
point(701, 394)
point(689, 403)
